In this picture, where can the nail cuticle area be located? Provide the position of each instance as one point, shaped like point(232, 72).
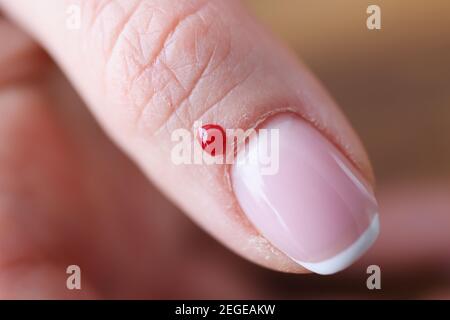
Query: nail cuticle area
point(316, 207)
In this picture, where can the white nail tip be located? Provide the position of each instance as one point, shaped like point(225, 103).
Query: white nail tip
point(345, 258)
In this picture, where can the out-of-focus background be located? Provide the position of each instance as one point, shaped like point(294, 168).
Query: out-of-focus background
point(81, 200)
point(394, 85)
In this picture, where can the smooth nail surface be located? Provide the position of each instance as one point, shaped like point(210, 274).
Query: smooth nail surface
point(317, 208)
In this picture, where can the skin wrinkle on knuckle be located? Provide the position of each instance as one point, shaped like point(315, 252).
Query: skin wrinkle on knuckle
point(215, 76)
point(159, 60)
point(143, 77)
point(188, 55)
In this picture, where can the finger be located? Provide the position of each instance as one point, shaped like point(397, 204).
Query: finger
point(148, 68)
point(412, 249)
point(19, 55)
point(56, 190)
point(24, 272)
point(416, 217)
point(72, 189)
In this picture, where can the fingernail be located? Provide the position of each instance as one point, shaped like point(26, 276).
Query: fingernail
point(316, 208)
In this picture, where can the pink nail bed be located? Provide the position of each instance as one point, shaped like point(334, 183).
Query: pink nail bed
point(316, 208)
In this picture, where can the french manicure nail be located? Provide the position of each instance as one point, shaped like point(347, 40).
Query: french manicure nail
point(317, 208)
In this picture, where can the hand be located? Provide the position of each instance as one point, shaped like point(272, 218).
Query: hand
point(75, 195)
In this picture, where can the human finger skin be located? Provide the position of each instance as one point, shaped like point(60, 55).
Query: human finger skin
point(147, 68)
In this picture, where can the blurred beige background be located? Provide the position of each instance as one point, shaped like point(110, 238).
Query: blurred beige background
point(393, 83)
point(394, 86)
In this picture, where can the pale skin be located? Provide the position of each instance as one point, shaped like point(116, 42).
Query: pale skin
point(74, 188)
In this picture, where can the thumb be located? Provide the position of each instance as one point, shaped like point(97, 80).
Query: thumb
point(151, 71)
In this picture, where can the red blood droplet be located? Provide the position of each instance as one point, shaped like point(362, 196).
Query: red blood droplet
point(213, 139)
